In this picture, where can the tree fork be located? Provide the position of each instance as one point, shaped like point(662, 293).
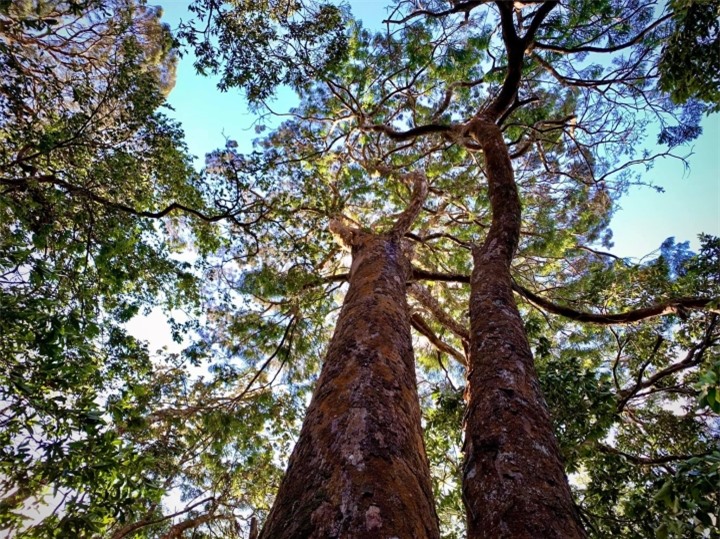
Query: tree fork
point(514, 485)
point(359, 468)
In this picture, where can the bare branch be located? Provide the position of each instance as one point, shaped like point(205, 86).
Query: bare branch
point(677, 306)
point(423, 296)
point(421, 326)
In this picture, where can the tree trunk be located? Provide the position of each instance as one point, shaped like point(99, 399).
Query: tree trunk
point(514, 484)
point(359, 468)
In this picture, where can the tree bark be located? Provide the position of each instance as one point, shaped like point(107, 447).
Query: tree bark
point(359, 469)
point(514, 484)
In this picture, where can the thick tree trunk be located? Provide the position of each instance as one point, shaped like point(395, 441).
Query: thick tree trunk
point(514, 485)
point(359, 468)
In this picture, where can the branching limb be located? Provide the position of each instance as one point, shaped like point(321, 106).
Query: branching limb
point(678, 306)
point(90, 195)
point(407, 217)
point(410, 133)
point(620, 46)
point(425, 298)
point(421, 326)
point(693, 358)
point(458, 7)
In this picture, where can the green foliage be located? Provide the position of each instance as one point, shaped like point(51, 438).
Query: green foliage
point(86, 161)
point(260, 45)
point(691, 58)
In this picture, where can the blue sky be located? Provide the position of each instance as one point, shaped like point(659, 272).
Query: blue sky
point(689, 205)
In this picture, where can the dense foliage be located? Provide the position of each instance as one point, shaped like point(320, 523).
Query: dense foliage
point(98, 193)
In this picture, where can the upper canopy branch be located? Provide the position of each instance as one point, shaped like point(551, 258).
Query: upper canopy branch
point(620, 46)
point(419, 194)
point(403, 222)
point(515, 47)
point(458, 7)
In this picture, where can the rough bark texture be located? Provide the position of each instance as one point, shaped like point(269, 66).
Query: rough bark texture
point(514, 484)
point(359, 469)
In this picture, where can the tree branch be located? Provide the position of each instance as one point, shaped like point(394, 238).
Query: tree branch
point(407, 217)
point(421, 326)
point(458, 7)
point(410, 133)
point(647, 461)
point(693, 358)
point(87, 193)
point(576, 50)
point(423, 296)
point(677, 306)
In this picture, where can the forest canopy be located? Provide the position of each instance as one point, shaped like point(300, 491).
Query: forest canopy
point(103, 217)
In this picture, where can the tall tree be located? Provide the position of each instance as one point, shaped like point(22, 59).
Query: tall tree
point(526, 135)
point(359, 467)
point(517, 83)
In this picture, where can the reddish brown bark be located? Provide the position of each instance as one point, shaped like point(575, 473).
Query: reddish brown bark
point(359, 468)
point(514, 484)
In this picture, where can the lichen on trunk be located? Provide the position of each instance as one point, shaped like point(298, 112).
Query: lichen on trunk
point(359, 469)
point(514, 485)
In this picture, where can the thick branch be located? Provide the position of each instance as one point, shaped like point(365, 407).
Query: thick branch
point(678, 306)
point(346, 233)
point(407, 218)
point(410, 133)
point(515, 52)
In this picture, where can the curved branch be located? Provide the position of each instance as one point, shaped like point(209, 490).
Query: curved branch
point(87, 193)
point(678, 306)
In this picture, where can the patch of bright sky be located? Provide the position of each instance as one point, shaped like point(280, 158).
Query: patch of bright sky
point(690, 204)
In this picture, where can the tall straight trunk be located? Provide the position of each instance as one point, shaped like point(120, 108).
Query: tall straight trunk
point(359, 468)
point(514, 484)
